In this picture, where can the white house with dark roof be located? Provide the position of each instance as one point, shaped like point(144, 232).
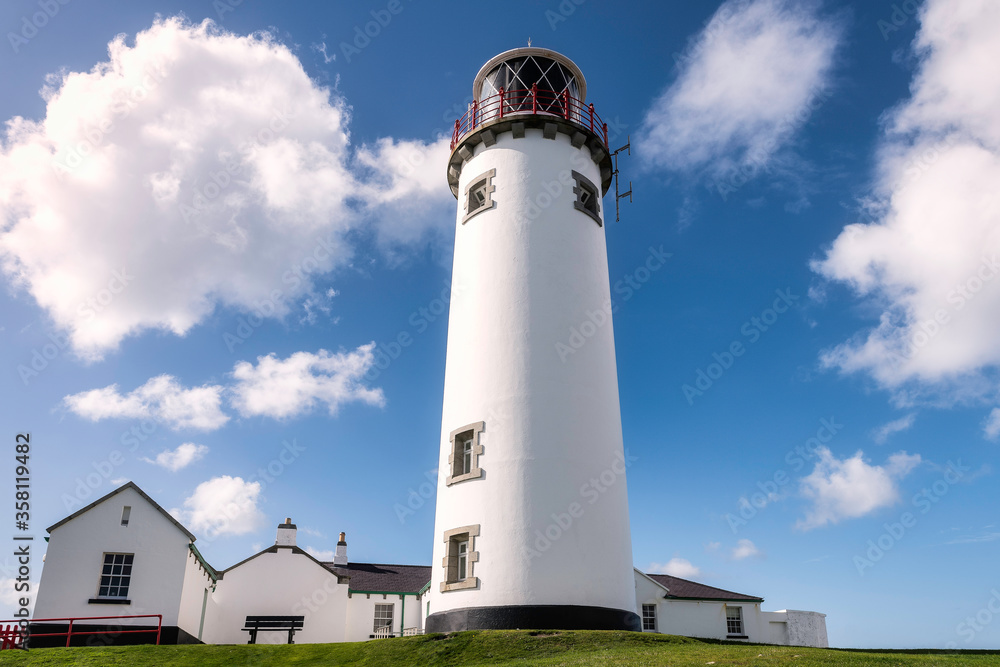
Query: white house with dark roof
point(124, 555)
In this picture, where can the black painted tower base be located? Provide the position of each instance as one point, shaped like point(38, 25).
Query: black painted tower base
point(534, 617)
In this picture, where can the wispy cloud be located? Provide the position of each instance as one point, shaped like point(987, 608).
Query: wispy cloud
point(162, 399)
point(744, 80)
point(851, 488)
point(925, 251)
point(745, 549)
point(882, 433)
point(176, 459)
point(676, 567)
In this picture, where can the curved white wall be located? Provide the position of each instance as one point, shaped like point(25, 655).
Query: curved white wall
point(525, 275)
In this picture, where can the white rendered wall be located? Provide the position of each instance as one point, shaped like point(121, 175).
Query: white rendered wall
point(521, 283)
point(75, 557)
point(193, 595)
point(279, 584)
point(361, 614)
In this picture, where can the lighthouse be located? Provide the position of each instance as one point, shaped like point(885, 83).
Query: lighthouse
point(531, 526)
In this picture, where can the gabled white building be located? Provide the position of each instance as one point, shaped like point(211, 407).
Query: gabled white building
point(124, 555)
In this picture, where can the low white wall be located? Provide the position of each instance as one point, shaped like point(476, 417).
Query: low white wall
point(807, 628)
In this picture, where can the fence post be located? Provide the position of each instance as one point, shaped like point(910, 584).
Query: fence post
point(534, 99)
point(501, 102)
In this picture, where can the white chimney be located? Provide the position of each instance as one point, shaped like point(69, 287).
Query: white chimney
point(286, 534)
point(341, 557)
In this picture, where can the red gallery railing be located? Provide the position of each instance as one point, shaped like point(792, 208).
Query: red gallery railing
point(12, 637)
point(532, 102)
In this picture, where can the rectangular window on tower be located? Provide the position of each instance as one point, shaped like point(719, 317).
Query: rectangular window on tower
point(588, 198)
point(479, 195)
point(460, 559)
point(734, 622)
point(126, 513)
point(463, 462)
point(649, 617)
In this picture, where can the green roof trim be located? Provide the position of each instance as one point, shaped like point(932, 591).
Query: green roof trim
point(204, 563)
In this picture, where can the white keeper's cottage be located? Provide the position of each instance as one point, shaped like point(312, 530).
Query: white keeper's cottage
point(520, 539)
point(124, 555)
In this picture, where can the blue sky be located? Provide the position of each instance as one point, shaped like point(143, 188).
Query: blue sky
point(212, 235)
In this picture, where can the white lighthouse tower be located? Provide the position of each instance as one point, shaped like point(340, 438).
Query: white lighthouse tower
point(532, 526)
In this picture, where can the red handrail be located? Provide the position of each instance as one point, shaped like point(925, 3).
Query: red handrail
point(532, 102)
point(70, 633)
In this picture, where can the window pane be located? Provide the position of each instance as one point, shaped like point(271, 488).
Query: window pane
point(128, 559)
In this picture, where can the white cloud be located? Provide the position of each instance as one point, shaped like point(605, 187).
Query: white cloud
point(184, 455)
point(191, 169)
point(745, 549)
point(293, 386)
point(162, 399)
point(10, 598)
point(928, 261)
point(851, 488)
point(675, 567)
point(746, 83)
point(991, 428)
point(222, 506)
point(320, 554)
point(882, 433)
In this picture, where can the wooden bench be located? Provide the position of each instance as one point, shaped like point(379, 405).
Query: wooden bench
point(255, 624)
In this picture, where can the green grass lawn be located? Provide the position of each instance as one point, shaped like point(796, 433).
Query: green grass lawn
point(513, 647)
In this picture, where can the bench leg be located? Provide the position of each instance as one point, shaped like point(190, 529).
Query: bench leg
point(291, 633)
point(253, 637)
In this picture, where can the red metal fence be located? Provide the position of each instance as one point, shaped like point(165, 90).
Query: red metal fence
point(532, 102)
point(11, 636)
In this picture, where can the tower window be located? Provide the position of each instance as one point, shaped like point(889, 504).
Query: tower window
point(463, 462)
point(479, 195)
point(649, 617)
point(734, 622)
point(588, 198)
point(460, 559)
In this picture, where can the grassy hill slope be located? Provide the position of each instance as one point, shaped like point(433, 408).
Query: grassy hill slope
point(519, 647)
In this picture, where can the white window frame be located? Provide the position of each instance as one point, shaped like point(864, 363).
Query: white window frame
point(735, 620)
point(463, 465)
point(650, 617)
point(460, 559)
point(379, 621)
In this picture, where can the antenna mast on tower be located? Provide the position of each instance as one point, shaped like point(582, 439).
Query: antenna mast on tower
point(618, 197)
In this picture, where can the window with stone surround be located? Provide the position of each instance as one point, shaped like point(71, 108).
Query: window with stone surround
point(460, 559)
point(479, 195)
point(588, 197)
point(463, 462)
